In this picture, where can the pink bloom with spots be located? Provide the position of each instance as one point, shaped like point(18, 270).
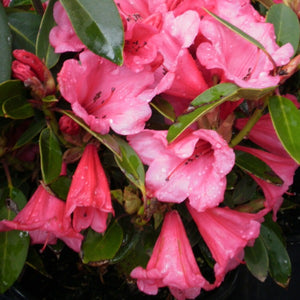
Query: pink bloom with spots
point(89, 195)
point(194, 166)
point(172, 263)
point(43, 217)
point(241, 61)
point(226, 232)
point(105, 95)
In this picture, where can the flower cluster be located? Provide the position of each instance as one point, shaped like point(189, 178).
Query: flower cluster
point(173, 52)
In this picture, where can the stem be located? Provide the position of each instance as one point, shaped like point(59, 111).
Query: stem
point(251, 122)
point(7, 174)
point(38, 6)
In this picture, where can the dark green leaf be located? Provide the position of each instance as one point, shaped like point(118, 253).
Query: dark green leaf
point(17, 107)
point(51, 156)
point(43, 48)
point(286, 25)
point(33, 130)
point(244, 190)
point(61, 187)
point(13, 244)
point(5, 46)
point(98, 247)
point(35, 261)
point(279, 261)
point(131, 165)
point(286, 121)
point(98, 25)
point(20, 3)
point(257, 260)
point(253, 165)
point(11, 88)
point(164, 108)
point(106, 139)
point(24, 27)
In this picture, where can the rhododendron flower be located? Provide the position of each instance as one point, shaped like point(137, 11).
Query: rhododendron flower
point(89, 195)
point(105, 95)
point(283, 166)
point(43, 217)
point(172, 263)
point(241, 61)
point(63, 37)
point(226, 232)
point(194, 166)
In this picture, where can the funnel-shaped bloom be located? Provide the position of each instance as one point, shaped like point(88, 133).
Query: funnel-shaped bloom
point(105, 95)
point(43, 217)
point(283, 166)
point(194, 166)
point(89, 195)
point(226, 232)
point(172, 263)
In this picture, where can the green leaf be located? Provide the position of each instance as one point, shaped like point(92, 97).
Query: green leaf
point(24, 27)
point(164, 108)
point(286, 121)
point(279, 261)
point(61, 187)
point(18, 108)
point(205, 102)
point(106, 139)
point(11, 88)
point(98, 247)
point(33, 130)
point(13, 244)
point(257, 259)
point(210, 99)
point(242, 34)
point(253, 165)
point(51, 156)
point(286, 25)
point(5, 46)
point(43, 48)
point(98, 25)
point(131, 165)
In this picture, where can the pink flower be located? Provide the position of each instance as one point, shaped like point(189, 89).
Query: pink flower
point(283, 166)
point(241, 61)
point(68, 126)
point(89, 195)
point(226, 232)
point(43, 217)
point(172, 263)
point(105, 95)
point(63, 37)
point(194, 166)
point(6, 3)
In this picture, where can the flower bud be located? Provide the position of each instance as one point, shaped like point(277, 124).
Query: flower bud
point(68, 126)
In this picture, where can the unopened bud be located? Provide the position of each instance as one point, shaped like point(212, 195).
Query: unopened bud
point(68, 126)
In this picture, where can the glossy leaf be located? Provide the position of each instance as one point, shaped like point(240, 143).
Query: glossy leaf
point(24, 27)
point(98, 25)
point(279, 261)
point(131, 165)
point(51, 156)
point(286, 121)
point(210, 99)
point(11, 88)
point(253, 165)
point(98, 247)
point(13, 244)
point(164, 108)
point(5, 46)
point(61, 186)
point(33, 130)
point(18, 108)
point(106, 139)
point(242, 34)
point(286, 25)
point(43, 48)
point(257, 259)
